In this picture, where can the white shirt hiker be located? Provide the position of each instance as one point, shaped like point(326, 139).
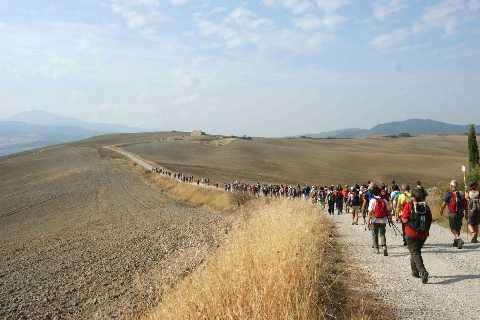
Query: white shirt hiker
point(371, 207)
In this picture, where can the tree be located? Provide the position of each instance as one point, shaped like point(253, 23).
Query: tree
point(473, 155)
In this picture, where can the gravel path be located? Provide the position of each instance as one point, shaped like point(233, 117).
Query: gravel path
point(453, 291)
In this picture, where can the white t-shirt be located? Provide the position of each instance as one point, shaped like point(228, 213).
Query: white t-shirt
point(371, 207)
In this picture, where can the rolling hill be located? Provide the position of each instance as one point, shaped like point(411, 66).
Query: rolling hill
point(411, 126)
point(19, 136)
point(35, 129)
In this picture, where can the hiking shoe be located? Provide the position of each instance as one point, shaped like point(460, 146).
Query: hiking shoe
point(404, 243)
point(424, 277)
point(455, 243)
point(385, 252)
point(474, 239)
point(460, 244)
point(415, 274)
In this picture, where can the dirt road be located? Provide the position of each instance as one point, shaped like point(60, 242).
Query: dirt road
point(453, 291)
point(86, 237)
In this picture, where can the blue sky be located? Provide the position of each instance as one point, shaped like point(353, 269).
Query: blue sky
point(265, 67)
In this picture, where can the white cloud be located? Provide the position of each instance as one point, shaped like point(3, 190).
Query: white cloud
point(448, 15)
point(384, 9)
point(297, 6)
point(445, 15)
point(179, 2)
point(331, 5)
point(269, 3)
point(138, 14)
point(312, 22)
point(185, 78)
point(240, 27)
point(391, 39)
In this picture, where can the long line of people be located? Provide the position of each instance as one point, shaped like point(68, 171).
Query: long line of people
point(379, 205)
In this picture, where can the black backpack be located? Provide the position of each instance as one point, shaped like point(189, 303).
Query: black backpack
point(418, 220)
point(356, 199)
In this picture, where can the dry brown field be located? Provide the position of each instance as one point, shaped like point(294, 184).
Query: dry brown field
point(431, 159)
point(85, 236)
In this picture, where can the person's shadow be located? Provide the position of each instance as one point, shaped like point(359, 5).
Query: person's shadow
point(453, 279)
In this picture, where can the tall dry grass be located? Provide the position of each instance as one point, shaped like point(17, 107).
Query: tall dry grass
point(274, 266)
point(213, 199)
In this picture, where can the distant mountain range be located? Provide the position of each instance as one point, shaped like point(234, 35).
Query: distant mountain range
point(411, 126)
point(36, 129)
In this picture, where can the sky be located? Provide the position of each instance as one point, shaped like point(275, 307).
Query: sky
point(256, 67)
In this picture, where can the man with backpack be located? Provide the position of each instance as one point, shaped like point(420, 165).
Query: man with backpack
point(331, 199)
point(473, 215)
point(355, 203)
point(378, 217)
point(456, 203)
point(394, 198)
point(417, 218)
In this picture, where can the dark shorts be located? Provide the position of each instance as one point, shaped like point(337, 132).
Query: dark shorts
point(455, 222)
point(474, 218)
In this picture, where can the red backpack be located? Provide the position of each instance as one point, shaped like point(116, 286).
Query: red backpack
point(457, 203)
point(380, 210)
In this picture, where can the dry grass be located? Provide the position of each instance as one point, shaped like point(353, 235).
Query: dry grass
point(274, 266)
point(213, 199)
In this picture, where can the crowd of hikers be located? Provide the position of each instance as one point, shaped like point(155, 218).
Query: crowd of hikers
point(378, 205)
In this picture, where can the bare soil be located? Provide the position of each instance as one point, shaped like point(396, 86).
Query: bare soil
point(83, 236)
point(432, 159)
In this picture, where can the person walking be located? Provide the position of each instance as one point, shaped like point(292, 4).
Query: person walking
point(355, 201)
point(402, 200)
point(473, 214)
point(378, 217)
point(417, 218)
point(456, 203)
point(331, 199)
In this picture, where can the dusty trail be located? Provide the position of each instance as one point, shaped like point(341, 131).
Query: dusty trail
point(86, 237)
point(453, 291)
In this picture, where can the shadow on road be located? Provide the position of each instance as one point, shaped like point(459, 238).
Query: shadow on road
point(454, 279)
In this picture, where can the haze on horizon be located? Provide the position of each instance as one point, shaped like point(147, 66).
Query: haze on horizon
point(271, 67)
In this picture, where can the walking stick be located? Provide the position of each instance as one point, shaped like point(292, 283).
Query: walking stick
point(464, 170)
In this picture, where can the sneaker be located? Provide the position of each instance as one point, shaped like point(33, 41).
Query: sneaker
point(474, 239)
point(455, 243)
point(460, 244)
point(424, 277)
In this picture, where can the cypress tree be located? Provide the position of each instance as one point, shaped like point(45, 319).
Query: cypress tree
point(473, 155)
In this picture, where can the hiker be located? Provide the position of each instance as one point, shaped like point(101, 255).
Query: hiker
point(420, 186)
point(355, 202)
point(456, 203)
point(365, 200)
point(473, 214)
point(417, 218)
point(402, 200)
point(393, 199)
point(378, 217)
point(331, 200)
point(339, 200)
